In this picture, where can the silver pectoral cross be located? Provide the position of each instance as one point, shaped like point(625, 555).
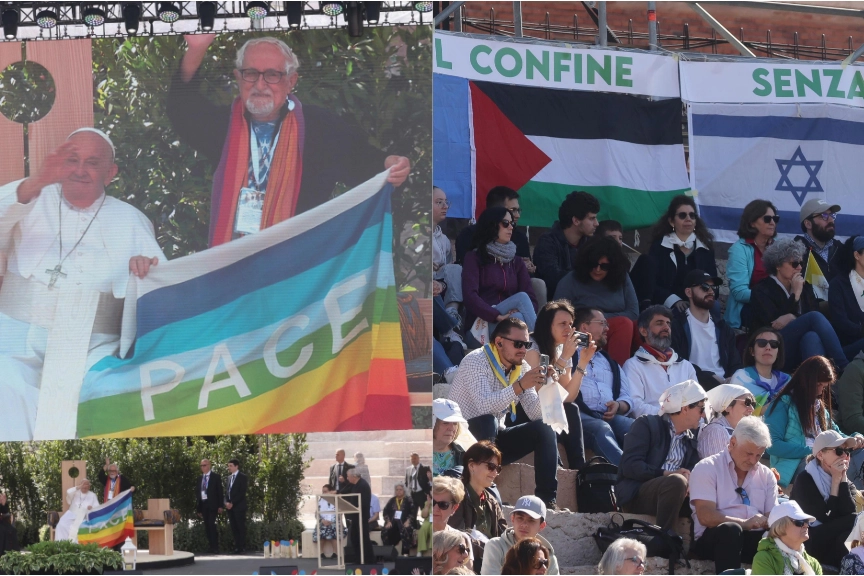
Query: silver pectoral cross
point(55, 273)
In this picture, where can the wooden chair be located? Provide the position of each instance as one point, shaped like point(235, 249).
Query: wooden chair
point(158, 519)
point(66, 482)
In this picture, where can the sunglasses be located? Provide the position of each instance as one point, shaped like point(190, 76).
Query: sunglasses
point(443, 505)
point(744, 497)
point(605, 266)
point(463, 550)
point(801, 523)
point(840, 451)
point(700, 405)
point(519, 343)
point(795, 263)
point(490, 466)
point(826, 216)
point(747, 402)
point(707, 287)
point(685, 215)
point(763, 342)
point(541, 564)
point(506, 223)
point(768, 219)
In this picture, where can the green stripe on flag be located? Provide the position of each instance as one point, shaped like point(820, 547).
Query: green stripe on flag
point(633, 208)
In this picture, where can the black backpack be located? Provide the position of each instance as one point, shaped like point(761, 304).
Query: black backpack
point(658, 543)
point(595, 486)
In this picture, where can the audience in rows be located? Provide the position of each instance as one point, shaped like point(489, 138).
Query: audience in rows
point(846, 296)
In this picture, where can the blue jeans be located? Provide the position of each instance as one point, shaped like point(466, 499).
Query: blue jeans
point(441, 320)
point(606, 438)
point(521, 302)
point(853, 349)
point(811, 335)
point(520, 440)
point(440, 361)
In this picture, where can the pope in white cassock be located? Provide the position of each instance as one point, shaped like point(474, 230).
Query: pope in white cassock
point(70, 249)
point(80, 500)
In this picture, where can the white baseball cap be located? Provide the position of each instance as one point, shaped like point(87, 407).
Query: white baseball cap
point(790, 509)
point(447, 410)
point(828, 439)
point(680, 395)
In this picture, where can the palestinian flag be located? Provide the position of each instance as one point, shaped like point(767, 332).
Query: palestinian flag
point(626, 150)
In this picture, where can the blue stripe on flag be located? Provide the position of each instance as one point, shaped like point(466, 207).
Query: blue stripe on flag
point(269, 266)
point(780, 127)
point(451, 142)
point(103, 514)
point(726, 218)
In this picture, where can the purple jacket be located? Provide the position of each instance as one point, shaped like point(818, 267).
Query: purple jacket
point(484, 285)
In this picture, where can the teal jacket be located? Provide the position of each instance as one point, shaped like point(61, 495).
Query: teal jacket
point(739, 270)
point(788, 445)
point(769, 559)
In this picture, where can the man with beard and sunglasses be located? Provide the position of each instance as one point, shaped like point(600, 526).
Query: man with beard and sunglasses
point(655, 366)
point(263, 143)
point(659, 452)
point(701, 336)
point(817, 223)
point(497, 392)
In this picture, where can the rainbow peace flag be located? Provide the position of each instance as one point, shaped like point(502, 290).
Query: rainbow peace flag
point(293, 329)
point(109, 524)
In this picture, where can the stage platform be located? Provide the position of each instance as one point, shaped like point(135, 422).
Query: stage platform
point(247, 564)
point(147, 562)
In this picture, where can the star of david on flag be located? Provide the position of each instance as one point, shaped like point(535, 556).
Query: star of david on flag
point(785, 183)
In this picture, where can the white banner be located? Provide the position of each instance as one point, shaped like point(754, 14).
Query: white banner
point(775, 82)
point(556, 65)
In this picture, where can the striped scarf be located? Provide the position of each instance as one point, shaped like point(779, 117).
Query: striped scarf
point(232, 174)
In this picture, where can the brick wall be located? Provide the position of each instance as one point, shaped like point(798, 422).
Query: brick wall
point(673, 15)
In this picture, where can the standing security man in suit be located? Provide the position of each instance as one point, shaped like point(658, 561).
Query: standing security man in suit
point(235, 503)
point(339, 472)
point(209, 503)
point(417, 481)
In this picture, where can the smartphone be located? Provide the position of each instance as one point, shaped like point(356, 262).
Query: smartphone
point(544, 363)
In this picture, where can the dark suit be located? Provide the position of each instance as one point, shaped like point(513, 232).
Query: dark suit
point(209, 508)
point(8, 534)
point(235, 493)
point(418, 496)
point(361, 487)
point(334, 474)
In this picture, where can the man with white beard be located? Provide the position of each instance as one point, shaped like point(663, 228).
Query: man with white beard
point(70, 249)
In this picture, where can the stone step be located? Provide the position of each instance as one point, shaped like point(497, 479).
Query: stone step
point(377, 466)
point(369, 449)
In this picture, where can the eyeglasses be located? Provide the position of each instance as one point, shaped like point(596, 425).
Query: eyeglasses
point(795, 263)
point(744, 497)
point(270, 76)
point(839, 451)
point(639, 562)
point(605, 266)
point(506, 223)
point(686, 215)
point(603, 323)
point(768, 219)
point(707, 287)
point(801, 523)
point(443, 505)
point(445, 203)
point(542, 563)
point(519, 343)
point(763, 342)
point(515, 210)
point(826, 216)
point(490, 466)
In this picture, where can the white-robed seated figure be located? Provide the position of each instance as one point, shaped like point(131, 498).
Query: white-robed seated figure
point(70, 249)
point(80, 500)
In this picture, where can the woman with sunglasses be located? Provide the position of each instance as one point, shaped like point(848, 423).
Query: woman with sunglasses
point(761, 375)
point(787, 303)
point(448, 552)
point(799, 414)
point(756, 231)
point(599, 280)
point(624, 556)
point(681, 243)
point(782, 550)
point(447, 496)
point(824, 491)
point(480, 510)
point(528, 556)
point(729, 403)
point(495, 283)
point(846, 296)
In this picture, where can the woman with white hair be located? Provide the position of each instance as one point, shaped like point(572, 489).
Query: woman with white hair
point(399, 517)
point(361, 467)
point(624, 556)
point(448, 552)
point(785, 302)
point(80, 500)
point(824, 491)
point(853, 562)
point(782, 551)
point(729, 403)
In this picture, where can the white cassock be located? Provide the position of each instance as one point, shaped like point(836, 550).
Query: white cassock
point(79, 502)
point(50, 337)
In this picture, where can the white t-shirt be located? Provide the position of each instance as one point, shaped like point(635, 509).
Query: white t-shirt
point(704, 351)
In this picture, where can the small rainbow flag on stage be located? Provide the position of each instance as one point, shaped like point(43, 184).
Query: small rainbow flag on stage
point(293, 329)
point(109, 524)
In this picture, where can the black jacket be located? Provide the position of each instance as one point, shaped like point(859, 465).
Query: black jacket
point(645, 449)
point(8, 538)
point(361, 487)
point(682, 340)
point(846, 316)
point(236, 495)
point(830, 268)
point(215, 499)
point(409, 511)
point(334, 151)
point(553, 256)
point(333, 474)
point(669, 276)
point(768, 302)
point(463, 243)
point(125, 483)
point(805, 492)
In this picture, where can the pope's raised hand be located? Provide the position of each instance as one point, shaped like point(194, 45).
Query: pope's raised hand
point(54, 169)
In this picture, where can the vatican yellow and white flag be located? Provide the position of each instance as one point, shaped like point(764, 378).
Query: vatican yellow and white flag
point(816, 278)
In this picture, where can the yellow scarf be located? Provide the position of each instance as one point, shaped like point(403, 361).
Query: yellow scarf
point(495, 361)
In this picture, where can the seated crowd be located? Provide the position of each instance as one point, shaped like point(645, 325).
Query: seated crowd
point(749, 421)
